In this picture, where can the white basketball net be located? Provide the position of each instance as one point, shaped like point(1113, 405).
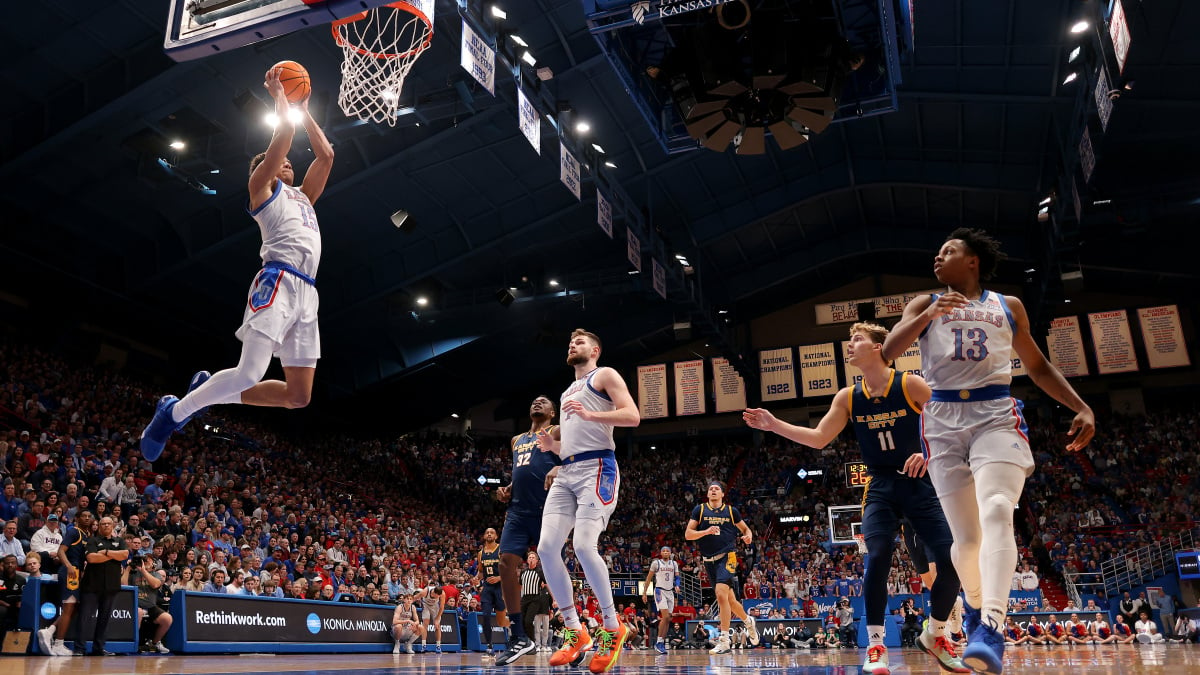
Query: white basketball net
point(378, 50)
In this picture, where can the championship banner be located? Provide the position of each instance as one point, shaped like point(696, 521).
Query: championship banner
point(1118, 30)
point(910, 360)
point(847, 310)
point(568, 169)
point(1104, 104)
point(1018, 366)
point(1163, 335)
point(729, 388)
point(1064, 346)
point(530, 121)
point(1087, 156)
point(775, 369)
point(689, 387)
point(478, 58)
point(652, 391)
point(818, 370)
point(604, 214)
point(658, 276)
point(633, 250)
point(853, 374)
point(1113, 342)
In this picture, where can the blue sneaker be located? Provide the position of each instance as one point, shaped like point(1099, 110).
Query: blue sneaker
point(985, 651)
point(438, 649)
point(155, 435)
point(197, 380)
point(661, 648)
point(971, 618)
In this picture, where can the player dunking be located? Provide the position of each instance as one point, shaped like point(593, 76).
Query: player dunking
point(584, 497)
point(973, 430)
point(885, 409)
point(664, 574)
point(491, 600)
point(718, 545)
point(532, 473)
point(281, 314)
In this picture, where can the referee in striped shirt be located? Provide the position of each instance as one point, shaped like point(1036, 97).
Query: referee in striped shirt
point(535, 602)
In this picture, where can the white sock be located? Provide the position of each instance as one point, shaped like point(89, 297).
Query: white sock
point(227, 386)
point(937, 628)
point(874, 636)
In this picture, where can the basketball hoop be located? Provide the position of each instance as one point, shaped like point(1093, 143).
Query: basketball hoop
point(379, 47)
point(861, 540)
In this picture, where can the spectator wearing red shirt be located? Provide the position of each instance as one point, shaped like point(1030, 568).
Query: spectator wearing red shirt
point(914, 584)
point(750, 590)
point(683, 613)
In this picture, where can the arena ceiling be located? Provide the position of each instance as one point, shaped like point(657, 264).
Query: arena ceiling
point(96, 231)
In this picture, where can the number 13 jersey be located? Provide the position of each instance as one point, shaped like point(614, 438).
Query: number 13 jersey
point(971, 347)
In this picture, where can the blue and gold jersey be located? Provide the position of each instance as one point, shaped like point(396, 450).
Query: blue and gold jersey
point(726, 517)
point(887, 423)
point(529, 469)
point(490, 562)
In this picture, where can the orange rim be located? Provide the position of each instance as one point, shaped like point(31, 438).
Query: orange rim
point(400, 6)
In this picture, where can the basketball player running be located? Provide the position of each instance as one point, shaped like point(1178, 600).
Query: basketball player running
point(885, 409)
point(532, 473)
point(584, 497)
point(664, 574)
point(973, 430)
point(433, 603)
point(491, 600)
point(72, 554)
point(718, 546)
point(281, 315)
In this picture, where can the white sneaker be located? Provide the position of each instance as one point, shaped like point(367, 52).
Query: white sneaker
point(396, 649)
point(752, 630)
point(721, 647)
point(161, 648)
point(60, 649)
point(46, 639)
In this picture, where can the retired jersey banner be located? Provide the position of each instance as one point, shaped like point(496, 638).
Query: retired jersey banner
point(847, 310)
point(729, 387)
point(478, 58)
point(604, 213)
point(853, 374)
point(910, 360)
point(689, 387)
point(568, 170)
point(818, 370)
point(1113, 342)
point(633, 249)
point(530, 121)
point(1163, 335)
point(658, 276)
point(1064, 346)
point(652, 391)
point(777, 375)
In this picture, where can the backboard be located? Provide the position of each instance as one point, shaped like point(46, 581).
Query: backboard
point(200, 28)
point(844, 523)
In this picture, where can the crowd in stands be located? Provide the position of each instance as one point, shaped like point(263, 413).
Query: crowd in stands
point(233, 507)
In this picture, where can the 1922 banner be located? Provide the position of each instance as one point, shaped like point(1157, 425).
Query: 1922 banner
point(1113, 342)
point(729, 387)
point(1064, 346)
point(689, 387)
point(1163, 334)
point(818, 370)
point(652, 391)
point(776, 374)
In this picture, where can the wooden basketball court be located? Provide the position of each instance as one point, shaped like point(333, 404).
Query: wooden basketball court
point(1040, 660)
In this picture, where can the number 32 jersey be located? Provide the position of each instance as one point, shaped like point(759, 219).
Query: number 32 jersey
point(970, 347)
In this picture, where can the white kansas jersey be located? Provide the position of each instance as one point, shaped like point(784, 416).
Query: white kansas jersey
point(665, 572)
point(289, 229)
point(580, 436)
point(970, 347)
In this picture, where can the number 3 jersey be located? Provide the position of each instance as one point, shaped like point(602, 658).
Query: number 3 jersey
point(887, 423)
point(970, 347)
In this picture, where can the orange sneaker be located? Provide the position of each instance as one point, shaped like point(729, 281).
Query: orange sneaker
point(575, 643)
point(608, 648)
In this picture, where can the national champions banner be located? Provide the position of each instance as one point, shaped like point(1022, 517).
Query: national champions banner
point(818, 370)
point(777, 374)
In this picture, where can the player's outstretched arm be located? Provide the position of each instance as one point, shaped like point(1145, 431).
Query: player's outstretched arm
point(827, 429)
point(1050, 379)
point(318, 172)
point(262, 181)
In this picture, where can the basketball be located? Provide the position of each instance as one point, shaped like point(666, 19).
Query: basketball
point(295, 80)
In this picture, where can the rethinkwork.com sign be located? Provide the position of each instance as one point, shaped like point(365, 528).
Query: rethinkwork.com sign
point(236, 619)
